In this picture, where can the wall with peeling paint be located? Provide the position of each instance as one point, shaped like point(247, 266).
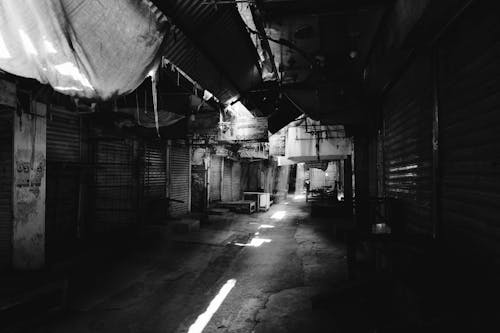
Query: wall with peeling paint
point(29, 188)
point(6, 126)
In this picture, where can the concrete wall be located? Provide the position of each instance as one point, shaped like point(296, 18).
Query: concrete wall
point(29, 188)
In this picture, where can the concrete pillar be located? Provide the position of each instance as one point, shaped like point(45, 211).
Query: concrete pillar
point(28, 240)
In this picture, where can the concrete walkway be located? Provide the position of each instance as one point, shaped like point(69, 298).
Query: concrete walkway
point(254, 273)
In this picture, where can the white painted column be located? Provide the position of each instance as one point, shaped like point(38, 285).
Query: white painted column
point(28, 243)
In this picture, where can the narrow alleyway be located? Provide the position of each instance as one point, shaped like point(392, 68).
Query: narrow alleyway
point(271, 264)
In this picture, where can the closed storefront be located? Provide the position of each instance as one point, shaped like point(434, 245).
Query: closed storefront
point(470, 129)
point(226, 183)
point(153, 160)
point(236, 191)
point(179, 160)
point(6, 176)
point(198, 188)
point(63, 179)
point(155, 170)
point(215, 178)
point(115, 185)
point(408, 148)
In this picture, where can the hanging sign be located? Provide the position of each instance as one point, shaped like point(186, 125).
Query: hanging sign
point(254, 150)
point(277, 143)
point(246, 129)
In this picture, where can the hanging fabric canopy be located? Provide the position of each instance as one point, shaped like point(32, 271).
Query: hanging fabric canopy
point(90, 49)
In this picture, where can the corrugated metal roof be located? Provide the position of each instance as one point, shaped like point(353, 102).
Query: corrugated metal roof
point(212, 46)
point(185, 55)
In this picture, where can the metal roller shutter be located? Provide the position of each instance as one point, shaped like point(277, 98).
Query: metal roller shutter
point(6, 176)
point(236, 181)
point(155, 171)
point(63, 178)
point(179, 157)
point(408, 148)
point(215, 173)
point(115, 185)
point(226, 184)
point(470, 129)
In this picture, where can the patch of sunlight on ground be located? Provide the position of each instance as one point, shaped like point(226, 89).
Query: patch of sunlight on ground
point(204, 318)
point(266, 226)
point(255, 242)
point(279, 215)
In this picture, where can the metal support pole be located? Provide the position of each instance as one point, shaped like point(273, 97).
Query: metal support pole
point(436, 168)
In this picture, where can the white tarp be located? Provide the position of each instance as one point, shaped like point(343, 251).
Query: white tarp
point(86, 48)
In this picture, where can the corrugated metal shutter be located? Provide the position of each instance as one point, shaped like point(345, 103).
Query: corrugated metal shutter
point(179, 157)
point(408, 147)
point(6, 176)
point(155, 170)
point(236, 181)
point(470, 129)
point(215, 173)
point(115, 185)
point(63, 178)
point(226, 184)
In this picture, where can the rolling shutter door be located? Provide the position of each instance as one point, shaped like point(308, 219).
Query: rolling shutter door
point(115, 185)
point(236, 181)
point(470, 129)
point(155, 171)
point(408, 148)
point(215, 173)
point(179, 157)
point(63, 178)
point(6, 176)
point(226, 184)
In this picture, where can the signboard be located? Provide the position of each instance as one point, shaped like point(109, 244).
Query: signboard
point(244, 129)
point(221, 151)
point(204, 125)
point(277, 143)
point(254, 150)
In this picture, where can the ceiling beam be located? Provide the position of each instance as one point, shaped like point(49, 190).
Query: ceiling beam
point(280, 8)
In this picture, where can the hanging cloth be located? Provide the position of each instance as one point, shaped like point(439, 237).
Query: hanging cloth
point(90, 49)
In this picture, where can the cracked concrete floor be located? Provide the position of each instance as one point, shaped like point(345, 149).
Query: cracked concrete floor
point(165, 285)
